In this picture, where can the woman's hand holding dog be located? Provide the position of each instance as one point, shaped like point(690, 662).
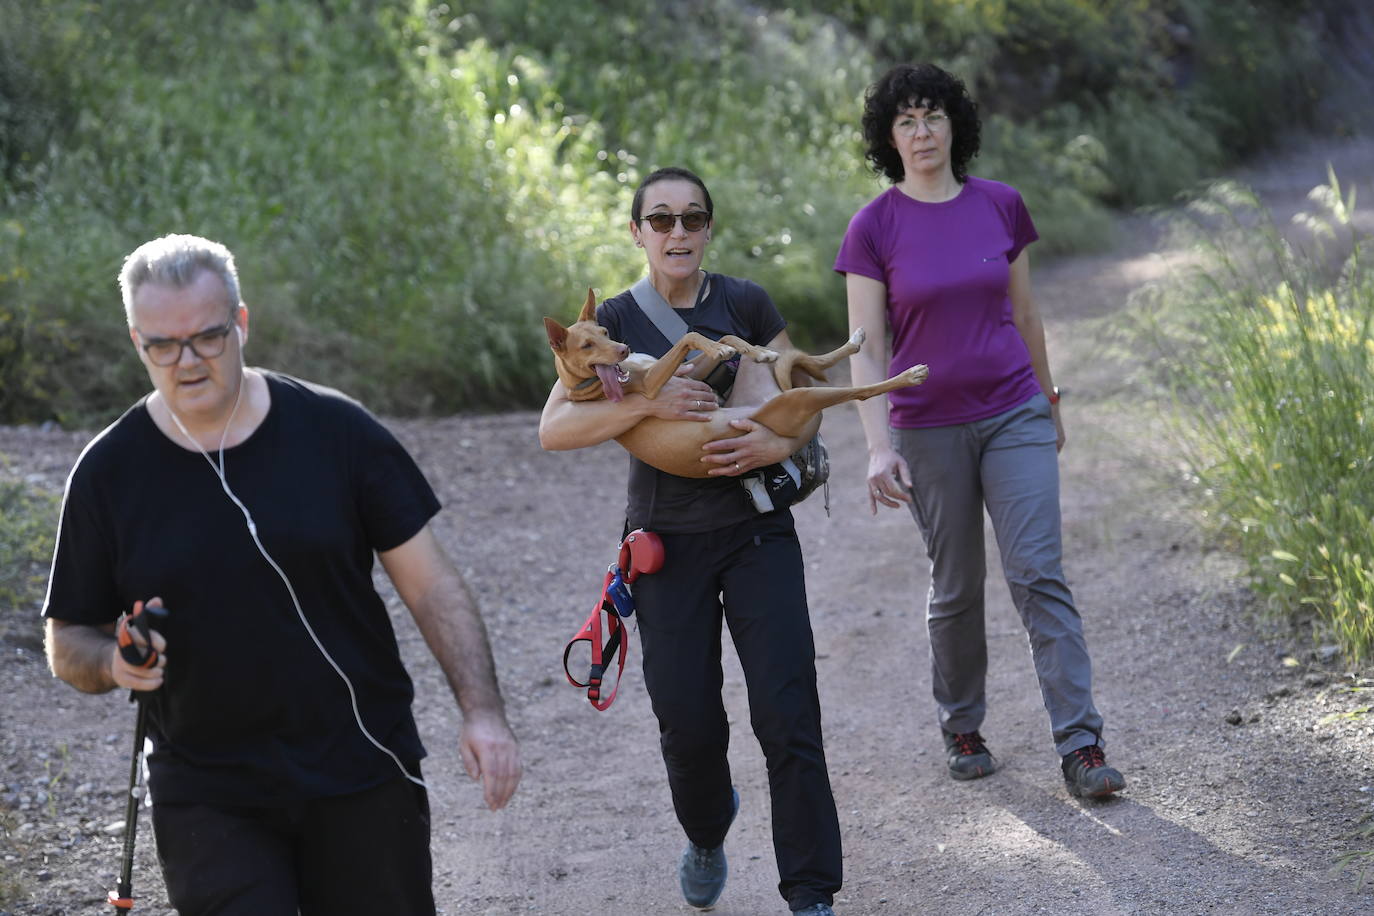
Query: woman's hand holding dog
point(758, 447)
point(683, 398)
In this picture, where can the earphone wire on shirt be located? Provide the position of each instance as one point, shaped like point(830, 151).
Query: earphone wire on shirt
point(300, 612)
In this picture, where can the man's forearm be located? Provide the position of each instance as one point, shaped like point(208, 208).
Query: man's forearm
point(453, 628)
point(81, 655)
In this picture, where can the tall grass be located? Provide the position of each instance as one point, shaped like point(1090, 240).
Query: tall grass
point(399, 226)
point(28, 518)
point(1272, 356)
point(411, 184)
point(1360, 861)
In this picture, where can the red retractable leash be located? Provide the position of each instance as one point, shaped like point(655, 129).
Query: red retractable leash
point(144, 619)
point(641, 552)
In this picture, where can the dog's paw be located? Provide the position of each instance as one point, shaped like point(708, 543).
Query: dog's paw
point(858, 337)
point(725, 351)
point(915, 375)
point(764, 355)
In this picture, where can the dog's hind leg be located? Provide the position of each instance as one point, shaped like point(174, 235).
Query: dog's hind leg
point(784, 371)
point(788, 413)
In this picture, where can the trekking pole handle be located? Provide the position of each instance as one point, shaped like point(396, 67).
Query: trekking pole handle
point(143, 620)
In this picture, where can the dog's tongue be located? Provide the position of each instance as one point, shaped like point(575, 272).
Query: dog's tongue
point(610, 381)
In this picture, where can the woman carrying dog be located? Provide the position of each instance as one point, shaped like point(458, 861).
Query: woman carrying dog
point(724, 561)
point(939, 259)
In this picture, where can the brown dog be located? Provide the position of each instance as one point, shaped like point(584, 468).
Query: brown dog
point(593, 366)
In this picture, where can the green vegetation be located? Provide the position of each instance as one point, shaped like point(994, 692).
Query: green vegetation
point(11, 888)
point(1360, 861)
point(1272, 350)
point(410, 185)
point(28, 521)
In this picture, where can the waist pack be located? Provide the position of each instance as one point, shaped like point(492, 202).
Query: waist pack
point(788, 483)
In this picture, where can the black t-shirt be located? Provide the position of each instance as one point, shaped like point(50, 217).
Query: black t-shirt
point(250, 712)
point(684, 505)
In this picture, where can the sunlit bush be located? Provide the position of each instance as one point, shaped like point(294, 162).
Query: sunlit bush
point(410, 185)
point(1272, 351)
point(28, 518)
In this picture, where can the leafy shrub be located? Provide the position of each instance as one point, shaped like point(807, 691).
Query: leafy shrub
point(1255, 72)
point(28, 520)
point(390, 232)
point(1274, 359)
point(410, 185)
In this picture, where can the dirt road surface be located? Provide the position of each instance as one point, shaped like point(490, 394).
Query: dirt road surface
point(1223, 818)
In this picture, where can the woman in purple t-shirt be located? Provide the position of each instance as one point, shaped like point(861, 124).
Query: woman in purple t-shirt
point(939, 260)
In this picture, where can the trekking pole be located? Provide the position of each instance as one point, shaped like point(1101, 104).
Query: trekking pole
point(144, 620)
point(122, 897)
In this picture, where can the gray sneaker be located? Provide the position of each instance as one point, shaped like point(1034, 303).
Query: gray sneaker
point(1087, 775)
point(968, 756)
point(703, 871)
point(815, 909)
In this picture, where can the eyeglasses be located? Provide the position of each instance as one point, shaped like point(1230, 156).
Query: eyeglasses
point(692, 220)
point(166, 351)
point(935, 122)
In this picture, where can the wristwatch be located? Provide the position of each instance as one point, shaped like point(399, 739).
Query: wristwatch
point(1054, 395)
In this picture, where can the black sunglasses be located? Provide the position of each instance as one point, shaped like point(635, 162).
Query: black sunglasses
point(692, 220)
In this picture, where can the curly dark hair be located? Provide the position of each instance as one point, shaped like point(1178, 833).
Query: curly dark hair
point(918, 86)
point(671, 172)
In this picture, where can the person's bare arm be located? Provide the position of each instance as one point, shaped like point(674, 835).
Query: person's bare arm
point(87, 657)
point(889, 477)
point(1025, 314)
point(567, 424)
point(451, 624)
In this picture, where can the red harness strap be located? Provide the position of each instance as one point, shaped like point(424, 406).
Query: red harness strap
point(601, 653)
point(641, 552)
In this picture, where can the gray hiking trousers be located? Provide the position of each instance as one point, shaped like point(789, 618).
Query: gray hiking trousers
point(1007, 463)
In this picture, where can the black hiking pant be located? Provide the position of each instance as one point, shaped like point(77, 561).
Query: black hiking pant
point(750, 575)
point(341, 856)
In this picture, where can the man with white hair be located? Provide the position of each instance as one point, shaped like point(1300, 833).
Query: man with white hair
point(285, 763)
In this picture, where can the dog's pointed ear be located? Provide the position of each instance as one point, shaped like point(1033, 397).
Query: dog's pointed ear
point(588, 308)
point(558, 335)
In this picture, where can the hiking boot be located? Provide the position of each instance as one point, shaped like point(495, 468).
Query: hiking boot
point(815, 909)
point(703, 871)
point(969, 757)
point(1087, 775)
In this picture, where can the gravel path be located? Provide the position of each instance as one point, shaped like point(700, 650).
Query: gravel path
point(1245, 779)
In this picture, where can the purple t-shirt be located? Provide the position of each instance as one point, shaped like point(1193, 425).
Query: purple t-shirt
point(946, 267)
